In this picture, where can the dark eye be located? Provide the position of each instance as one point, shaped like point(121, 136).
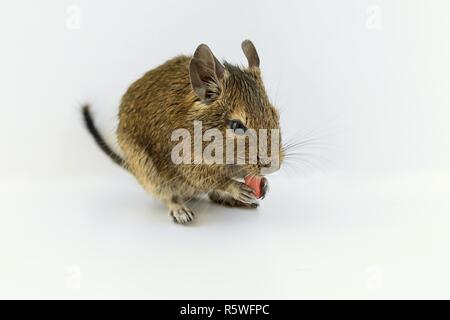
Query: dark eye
point(237, 126)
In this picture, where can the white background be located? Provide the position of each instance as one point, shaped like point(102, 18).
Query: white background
point(366, 217)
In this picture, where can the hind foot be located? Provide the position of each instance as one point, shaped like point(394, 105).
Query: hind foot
point(179, 212)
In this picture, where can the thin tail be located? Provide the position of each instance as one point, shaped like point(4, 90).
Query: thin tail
point(88, 121)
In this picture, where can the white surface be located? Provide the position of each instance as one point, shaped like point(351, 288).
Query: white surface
point(320, 237)
point(373, 224)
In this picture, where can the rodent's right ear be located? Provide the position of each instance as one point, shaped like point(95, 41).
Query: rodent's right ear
point(206, 73)
point(250, 52)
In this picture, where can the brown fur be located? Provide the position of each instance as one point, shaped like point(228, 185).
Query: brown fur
point(163, 100)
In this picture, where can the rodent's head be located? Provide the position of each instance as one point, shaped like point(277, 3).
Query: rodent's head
point(234, 100)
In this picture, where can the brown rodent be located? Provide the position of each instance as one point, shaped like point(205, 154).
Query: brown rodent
point(174, 95)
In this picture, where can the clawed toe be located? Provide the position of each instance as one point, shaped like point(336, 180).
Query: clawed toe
point(182, 215)
point(229, 201)
point(246, 194)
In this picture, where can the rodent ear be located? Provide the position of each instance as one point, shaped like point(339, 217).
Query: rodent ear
point(205, 54)
point(250, 52)
point(205, 72)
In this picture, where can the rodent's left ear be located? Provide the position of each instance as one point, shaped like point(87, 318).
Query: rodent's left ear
point(250, 52)
point(206, 73)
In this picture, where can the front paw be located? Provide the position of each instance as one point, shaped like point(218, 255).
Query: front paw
point(264, 188)
point(243, 193)
point(227, 200)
